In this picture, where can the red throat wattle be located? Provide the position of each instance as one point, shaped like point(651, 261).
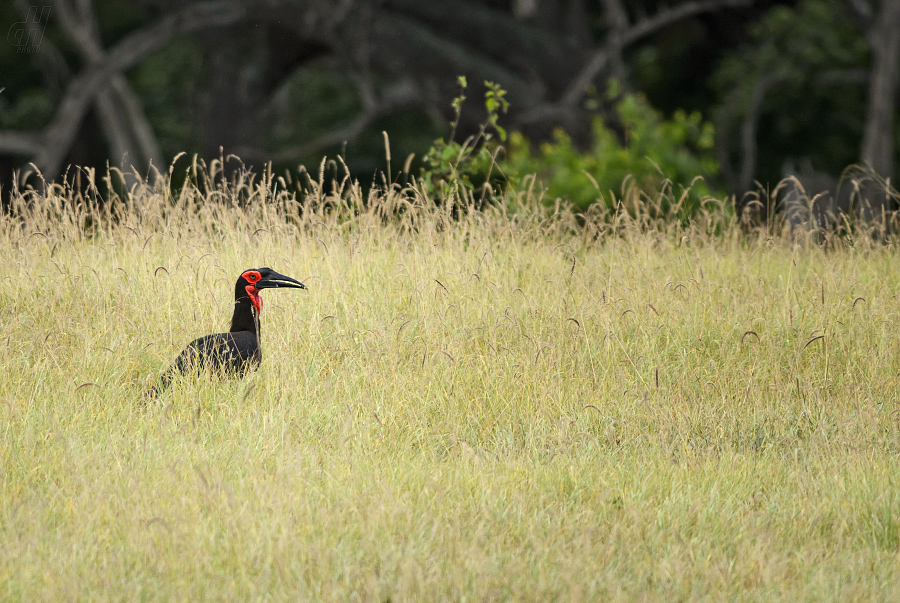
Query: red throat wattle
point(252, 277)
point(255, 299)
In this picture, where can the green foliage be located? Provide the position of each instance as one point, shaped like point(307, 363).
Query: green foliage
point(450, 165)
point(654, 151)
point(494, 102)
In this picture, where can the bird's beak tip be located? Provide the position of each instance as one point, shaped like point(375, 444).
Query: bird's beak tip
point(280, 281)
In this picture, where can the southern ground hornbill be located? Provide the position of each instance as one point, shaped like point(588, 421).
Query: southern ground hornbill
point(238, 350)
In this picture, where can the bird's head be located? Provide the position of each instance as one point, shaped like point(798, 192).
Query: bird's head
point(251, 282)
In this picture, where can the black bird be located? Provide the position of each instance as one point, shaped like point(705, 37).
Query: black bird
point(238, 350)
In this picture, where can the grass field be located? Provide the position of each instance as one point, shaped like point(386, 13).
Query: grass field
point(506, 406)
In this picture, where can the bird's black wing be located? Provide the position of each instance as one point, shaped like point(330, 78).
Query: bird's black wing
point(229, 353)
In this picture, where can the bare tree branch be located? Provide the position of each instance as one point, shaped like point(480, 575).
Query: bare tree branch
point(618, 22)
point(748, 131)
point(862, 8)
point(84, 88)
point(593, 68)
point(864, 14)
point(524, 9)
point(723, 116)
point(601, 57)
point(668, 16)
point(123, 120)
point(641, 29)
point(81, 30)
point(425, 51)
point(141, 129)
point(325, 141)
point(397, 97)
point(19, 143)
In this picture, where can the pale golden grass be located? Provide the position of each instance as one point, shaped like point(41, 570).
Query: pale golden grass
point(507, 406)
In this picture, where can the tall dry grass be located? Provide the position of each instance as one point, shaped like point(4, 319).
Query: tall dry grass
point(513, 403)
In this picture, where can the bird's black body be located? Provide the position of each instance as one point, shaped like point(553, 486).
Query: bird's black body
point(231, 353)
point(237, 351)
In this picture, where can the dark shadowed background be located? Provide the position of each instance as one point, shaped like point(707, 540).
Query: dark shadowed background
point(803, 88)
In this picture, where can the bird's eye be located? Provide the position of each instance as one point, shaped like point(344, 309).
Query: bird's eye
point(252, 276)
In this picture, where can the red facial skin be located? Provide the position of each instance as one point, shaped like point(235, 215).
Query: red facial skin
point(252, 277)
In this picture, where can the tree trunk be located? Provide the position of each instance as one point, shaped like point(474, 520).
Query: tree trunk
point(878, 143)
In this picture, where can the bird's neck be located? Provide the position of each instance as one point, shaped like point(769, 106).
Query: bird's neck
point(244, 318)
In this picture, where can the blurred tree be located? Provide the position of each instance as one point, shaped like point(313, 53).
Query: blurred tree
point(125, 125)
point(99, 83)
point(812, 81)
point(384, 56)
point(880, 23)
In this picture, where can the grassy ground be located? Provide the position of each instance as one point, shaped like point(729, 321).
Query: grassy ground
point(501, 407)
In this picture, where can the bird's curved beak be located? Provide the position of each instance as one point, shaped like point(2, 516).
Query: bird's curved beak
point(275, 281)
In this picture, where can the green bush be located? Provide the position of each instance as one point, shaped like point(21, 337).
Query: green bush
point(465, 167)
point(657, 155)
